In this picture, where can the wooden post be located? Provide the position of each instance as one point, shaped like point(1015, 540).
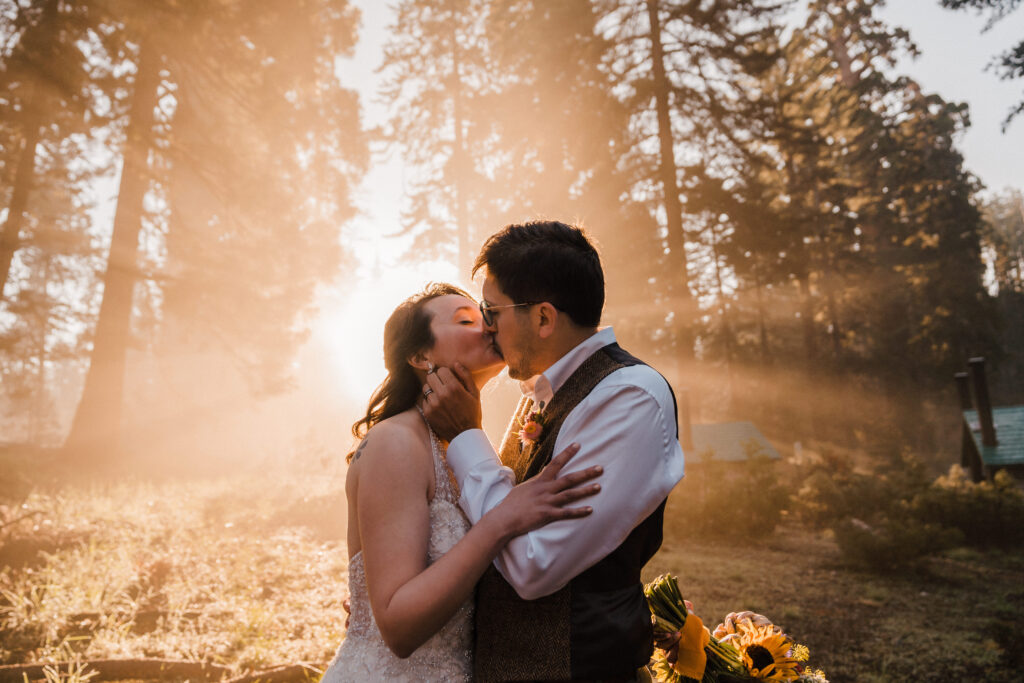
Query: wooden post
point(964, 389)
point(988, 429)
point(969, 458)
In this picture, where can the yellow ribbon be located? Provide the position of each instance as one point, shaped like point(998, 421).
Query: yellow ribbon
point(693, 638)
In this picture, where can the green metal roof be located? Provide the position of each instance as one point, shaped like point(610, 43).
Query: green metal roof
point(1009, 449)
point(728, 442)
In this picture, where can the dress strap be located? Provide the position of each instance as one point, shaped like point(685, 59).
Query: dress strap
point(444, 483)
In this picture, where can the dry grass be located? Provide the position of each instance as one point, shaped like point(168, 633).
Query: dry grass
point(250, 573)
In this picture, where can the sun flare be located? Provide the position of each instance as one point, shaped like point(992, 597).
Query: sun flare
point(352, 317)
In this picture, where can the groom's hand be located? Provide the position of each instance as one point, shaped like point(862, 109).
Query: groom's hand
point(451, 402)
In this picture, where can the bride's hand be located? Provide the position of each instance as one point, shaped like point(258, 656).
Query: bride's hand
point(545, 498)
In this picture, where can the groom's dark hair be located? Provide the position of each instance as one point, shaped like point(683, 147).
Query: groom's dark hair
point(547, 261)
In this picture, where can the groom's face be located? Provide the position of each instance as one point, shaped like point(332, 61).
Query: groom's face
point(512, 330)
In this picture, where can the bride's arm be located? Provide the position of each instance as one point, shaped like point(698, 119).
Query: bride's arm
point(410, 600)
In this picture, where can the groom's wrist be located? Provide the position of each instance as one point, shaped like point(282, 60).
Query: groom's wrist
point(466, 451)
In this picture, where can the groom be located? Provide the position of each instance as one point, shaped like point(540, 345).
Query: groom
point(564, 602)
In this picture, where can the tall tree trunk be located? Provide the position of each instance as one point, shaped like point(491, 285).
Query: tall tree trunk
point(828, 276)
point(723, 304)
point(683, 302)
point(31, 130)
point(807, 317)
point(766, 354)
point(835, 332)
point(727, 330)
point(40, 405)
point(809, 401)
point(24, 180)
point(96, 430)
point(463, 260)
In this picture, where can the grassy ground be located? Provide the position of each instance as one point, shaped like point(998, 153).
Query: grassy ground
point(251, 573)
point(248, 573)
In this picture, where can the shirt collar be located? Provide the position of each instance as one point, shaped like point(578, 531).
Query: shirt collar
point(542, 387)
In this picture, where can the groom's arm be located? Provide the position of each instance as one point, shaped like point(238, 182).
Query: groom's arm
point(627, 429)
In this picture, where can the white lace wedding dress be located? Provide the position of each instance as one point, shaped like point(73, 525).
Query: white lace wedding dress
point(447, 656)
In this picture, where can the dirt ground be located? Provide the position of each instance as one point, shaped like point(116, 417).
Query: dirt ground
point(250, 574)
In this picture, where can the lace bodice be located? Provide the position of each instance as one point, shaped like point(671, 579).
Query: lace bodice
point(447, 656)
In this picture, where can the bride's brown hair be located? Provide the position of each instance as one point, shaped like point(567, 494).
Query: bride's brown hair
point(406, 333)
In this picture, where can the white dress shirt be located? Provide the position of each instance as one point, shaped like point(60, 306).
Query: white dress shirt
point(626, 425)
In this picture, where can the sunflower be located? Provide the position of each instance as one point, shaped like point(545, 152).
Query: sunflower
point(732, 626)
point(766, 653)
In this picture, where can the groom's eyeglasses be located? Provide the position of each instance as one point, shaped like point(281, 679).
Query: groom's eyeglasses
point(486, 308)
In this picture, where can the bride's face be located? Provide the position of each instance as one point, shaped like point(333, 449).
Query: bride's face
point(459, 336)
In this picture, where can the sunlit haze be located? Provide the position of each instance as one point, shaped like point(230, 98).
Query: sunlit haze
point(354, 308)
point(350, 328)
point(335, 369)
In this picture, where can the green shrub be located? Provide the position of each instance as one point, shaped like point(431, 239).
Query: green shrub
point(989, 513)
point(834, 493)
point(895, 516)
point(733, 500)
point(825, 499)
point(1006, 629)
point(890, 544)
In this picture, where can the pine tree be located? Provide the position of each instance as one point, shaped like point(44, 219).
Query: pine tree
point(237, 120)
point(51, 97)
point(558, 123)
point(1010, 64)
point(1004, 239)
point(96, 429)
point(559, 134)
point(436, 72)
point(684, 67)
point(870, 213)
point(1003, 246)
point(58, 98)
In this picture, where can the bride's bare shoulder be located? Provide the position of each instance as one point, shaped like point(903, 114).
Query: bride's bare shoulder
point(399, 441)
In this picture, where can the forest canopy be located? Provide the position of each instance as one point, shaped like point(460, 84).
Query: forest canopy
point(794, 213)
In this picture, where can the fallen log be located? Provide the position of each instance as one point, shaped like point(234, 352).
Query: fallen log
point(121, 670)
point(291, 673)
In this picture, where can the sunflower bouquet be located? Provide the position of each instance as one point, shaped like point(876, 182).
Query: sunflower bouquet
point(744, 647)
point(686, 649)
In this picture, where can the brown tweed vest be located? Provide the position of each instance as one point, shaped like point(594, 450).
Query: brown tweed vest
point(516, 639)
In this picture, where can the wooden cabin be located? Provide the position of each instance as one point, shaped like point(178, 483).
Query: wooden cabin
point(722, 441)
point(992, 437)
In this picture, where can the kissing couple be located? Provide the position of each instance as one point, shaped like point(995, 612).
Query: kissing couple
point(467, 564)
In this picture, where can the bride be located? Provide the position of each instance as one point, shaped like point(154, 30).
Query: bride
point(413, 558)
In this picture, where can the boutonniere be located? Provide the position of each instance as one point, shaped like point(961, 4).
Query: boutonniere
point(532, 426)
